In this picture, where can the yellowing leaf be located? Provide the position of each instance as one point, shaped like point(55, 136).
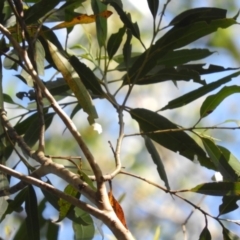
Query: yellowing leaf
point(82, 19)
point(74, 82)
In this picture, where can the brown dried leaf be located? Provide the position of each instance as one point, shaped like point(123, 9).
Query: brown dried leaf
point(117, 209)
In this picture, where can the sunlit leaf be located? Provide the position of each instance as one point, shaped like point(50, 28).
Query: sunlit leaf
point(157, 160)
point(195, 94)
point(82, 19)
point(218, 189)
point(212, 102)
point(74, 82)
point(65, 206)
point(178, 142)
point(224, 161)
point(83, 231)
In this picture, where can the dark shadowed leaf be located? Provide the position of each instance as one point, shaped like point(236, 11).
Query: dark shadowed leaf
point(198, 14)
point(229, 204)
point(202, 69)
point(114, 42)
point(32, 133)
point(224, 161)
point(39, 9)
point(157, 160)
point(228, 235)
point(32, 220)
point(218, 189)
point(173, 74)
point(127, 49)
point(58, 87)
point(175, 38)
point(177, 141)
point(153, 6)
point(195, 94)
point(75, 110)
point(87, 76)
point(205, 234)
point(126, 19)
point(53, 230)
point(212, 102)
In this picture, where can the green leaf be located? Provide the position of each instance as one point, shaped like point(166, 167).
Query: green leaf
point(101, 23)
point(126, 19)
point(177, 141)
point(32, 133)
point(227, 235)
point(53, 200)
point(88, 78)
point(175, 38)
point(205, 14)
point(166, 74)
point(202, 69)
point(211, 102)
point(195, 94)
point(75, 110)
point(40, 57)
point(157, 160)
point(74, 82)
point(153, 6)
point(127, 49)
point(64, 206)
point(52, 231)
point(9, 63)
point(229, 204)
point(205, 234)
point(15, 205)
point(83, 231)
point(224, 161)
point(32, 221)
point(39, 9)
point(114, 42)
point(218, 189)
point(58, 87)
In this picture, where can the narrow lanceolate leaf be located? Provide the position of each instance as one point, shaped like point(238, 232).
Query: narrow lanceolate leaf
point(157, 160)
point(32, 220)
point(101, 23)
point(74, 83)
point(177, 141)
point(224, 161)
point(229, 204)
point(195, 94)
point(198, 14)
point(127, 49)
point(82, 19)
point(114, 42)
point(205, 234)
point(228, 235)
point(218, 189)
point(153, 6)
point(64, 206)
point(40, 57)
point(212, 102)
point(87, 76)
point(175, 38)
point(126, 19)
point(39, 9)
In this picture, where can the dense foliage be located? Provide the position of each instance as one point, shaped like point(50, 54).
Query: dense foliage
point(30, 47)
